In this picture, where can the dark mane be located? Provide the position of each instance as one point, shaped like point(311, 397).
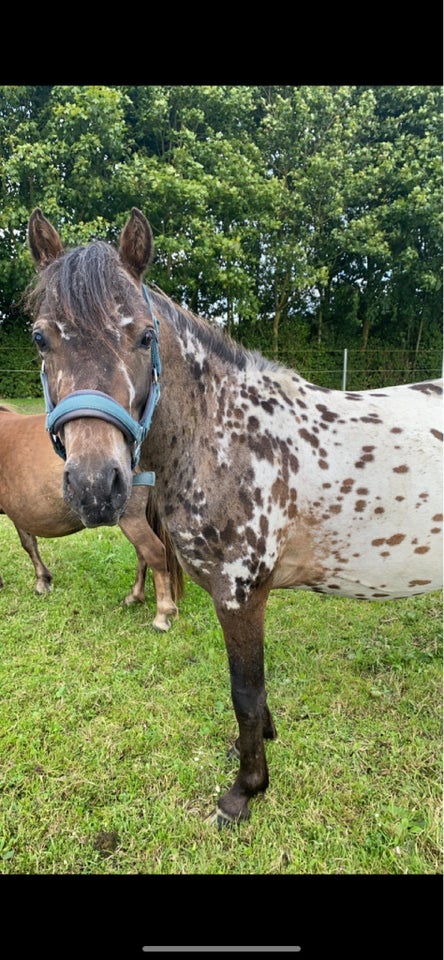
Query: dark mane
point(83, 287)
point(213, 338)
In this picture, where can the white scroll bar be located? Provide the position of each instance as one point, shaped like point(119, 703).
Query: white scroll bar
point(222, 949)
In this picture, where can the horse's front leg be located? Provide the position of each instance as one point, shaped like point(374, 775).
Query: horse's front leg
point(137, 592)
point(43, 575)
point(244, 639)
point(150, 553)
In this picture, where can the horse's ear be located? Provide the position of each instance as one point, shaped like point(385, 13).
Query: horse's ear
point(136, 244)
point(44, 241)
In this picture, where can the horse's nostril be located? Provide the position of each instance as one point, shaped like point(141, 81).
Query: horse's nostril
point(66, 484)
point(116, 483)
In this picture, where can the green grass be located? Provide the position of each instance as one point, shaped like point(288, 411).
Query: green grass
point(25, 406)
point(114, 738)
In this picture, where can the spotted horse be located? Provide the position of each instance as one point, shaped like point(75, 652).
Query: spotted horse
point(263, 479)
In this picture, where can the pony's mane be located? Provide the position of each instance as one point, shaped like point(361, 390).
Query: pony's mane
point(214, 339)
point(84, 285)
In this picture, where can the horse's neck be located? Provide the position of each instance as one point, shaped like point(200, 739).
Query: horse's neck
point(190, 386)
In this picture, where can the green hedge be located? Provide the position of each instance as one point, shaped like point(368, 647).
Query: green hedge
point(377, 367)
point(19, 366)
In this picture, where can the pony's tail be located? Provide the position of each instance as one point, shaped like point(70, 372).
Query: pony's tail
point(174, 568)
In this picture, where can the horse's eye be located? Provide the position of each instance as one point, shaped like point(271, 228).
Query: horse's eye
point(39, 340)
point(146, 338)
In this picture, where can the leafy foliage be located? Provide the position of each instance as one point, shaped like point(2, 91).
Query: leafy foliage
point(299, 217)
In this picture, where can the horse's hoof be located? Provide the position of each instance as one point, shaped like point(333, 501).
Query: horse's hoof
point(219, 818)
point(222, 819)
point(131, 598)
point(161, 626)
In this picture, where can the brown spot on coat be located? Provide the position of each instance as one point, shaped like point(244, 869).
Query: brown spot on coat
point(347, 485)
point(228, 533)
point(326, 414)
point(279, 492)
point(309, 437)
point(426, 387)
point(392, 541)
point(261, 447)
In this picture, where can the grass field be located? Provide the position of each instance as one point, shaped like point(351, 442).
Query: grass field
point(35, 405)
point(114, 737)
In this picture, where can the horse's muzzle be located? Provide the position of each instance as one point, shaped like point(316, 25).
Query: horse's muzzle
point(99, 498)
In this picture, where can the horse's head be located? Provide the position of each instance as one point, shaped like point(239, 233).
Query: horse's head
point(94, 330)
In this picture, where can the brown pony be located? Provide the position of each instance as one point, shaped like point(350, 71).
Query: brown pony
point(263, 479)
point(31, 496)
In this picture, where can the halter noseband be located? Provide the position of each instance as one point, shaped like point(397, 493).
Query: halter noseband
point(94, 403)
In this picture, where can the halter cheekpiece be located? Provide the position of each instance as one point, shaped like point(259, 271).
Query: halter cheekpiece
point(94, 403)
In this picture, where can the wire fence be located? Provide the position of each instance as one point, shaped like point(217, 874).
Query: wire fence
point(348, 369)
point(355, 369)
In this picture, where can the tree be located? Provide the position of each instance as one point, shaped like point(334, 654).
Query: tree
point(301, 218)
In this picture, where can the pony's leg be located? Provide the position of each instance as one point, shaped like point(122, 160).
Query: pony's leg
point(150, 552)
point(137, 594)
point(44, 576)
point(244, 639)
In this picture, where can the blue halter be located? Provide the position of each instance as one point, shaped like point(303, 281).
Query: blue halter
point(94, 403)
